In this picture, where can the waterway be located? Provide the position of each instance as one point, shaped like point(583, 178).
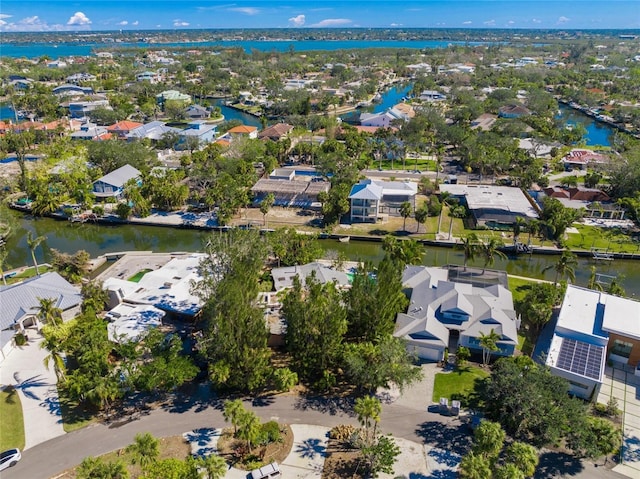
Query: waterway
point(97, 240)
point(597, 133)
point(34, 50)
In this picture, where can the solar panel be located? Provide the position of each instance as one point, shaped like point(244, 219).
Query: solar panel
point(580, 358)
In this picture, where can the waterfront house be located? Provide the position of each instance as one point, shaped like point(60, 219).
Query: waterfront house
point(78, 78)
point(244, 130)
point(112, 184)
point(21, 304)
point(283, 277)
point(432, 96)
point(81, 109)
point(173, 96)
point(592, 328)
point(276, 132)
point(148, 76)
point(375, 200)
point(582, 159)
point(197, 112)
point(449, 314)
point(383, 120)
point(198, 130)
point(290, 187)
point(493, 206)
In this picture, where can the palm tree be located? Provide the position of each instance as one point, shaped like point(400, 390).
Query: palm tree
point(368, 409)
point(3, 257)
point(214, 466)
point(444, 197)
point(265, 206)
point(489, 343)
point(517, 228)
point(564, 267)
point(421, 216)
point(533, 228)
point(145, 449)
point(53, 342)
point(49, 313)
point(469, 246)
point(33, 243)
point(593, 280)
point(489, 251)
point(405, 212)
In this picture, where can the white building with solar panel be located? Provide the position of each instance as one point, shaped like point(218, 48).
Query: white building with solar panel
point(592, 327)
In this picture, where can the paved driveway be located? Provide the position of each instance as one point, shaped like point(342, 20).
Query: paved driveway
point(621, 383)
point(24, 369)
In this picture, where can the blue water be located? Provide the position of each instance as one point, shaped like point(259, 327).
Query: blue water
point(233, 114)
point(32, 50)
point(597, 133)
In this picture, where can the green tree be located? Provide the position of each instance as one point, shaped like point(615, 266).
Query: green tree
point(213, 466)
point(462, 356)
point(381, 456)
point(20, 143)
point(232, 412)
point(536, 307)
point(316, 324)
point(97, 468)
point(523, 456)
point(488, 439)
point(291, 247)
point(94, 297)
point(469, 247)
point(145, 449)
point(374, 365)
point(33, 244)
point(421, 215)
point(265, 206)
point(54, 338)
point(235, 335)
point(475, 466)
point(284, 379)
point(489, 250)
point(71, 267)
point(368, 409)
point(171, 469)
point(48, 312)
point(248, 427)
point(403, 251)
point(489, 344)
point(405, 212)
point(508, 471)
point(599, 437)
point(564, 267)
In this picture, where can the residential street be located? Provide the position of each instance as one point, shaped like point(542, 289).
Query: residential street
point(401, 420)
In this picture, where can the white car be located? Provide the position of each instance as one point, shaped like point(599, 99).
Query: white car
point(9, 458)
point(270, 471)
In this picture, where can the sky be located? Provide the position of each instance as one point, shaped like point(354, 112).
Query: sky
point(96, 15)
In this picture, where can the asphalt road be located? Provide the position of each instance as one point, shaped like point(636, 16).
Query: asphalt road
point(52, 457)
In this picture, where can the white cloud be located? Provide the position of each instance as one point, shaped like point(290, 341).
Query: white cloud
point(332, 22)
point(135, 23)
point(395, 24)
point(179, 23)
point(510, 22)
point(562, 20)
point(297, 21)
point(490, 23)
point(245, 10)
point(468, 22)
point(2, 17)
point(79, 18)
point(123, 23)
point(536, 20)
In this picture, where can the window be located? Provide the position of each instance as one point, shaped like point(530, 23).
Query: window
point(621, 348)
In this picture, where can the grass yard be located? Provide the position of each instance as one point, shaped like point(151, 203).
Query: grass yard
point(11, 425)
point(516, 287)
point(28, 273)
point(422, 164)
point(459, 384)
point(613, 239)
point(73, 416)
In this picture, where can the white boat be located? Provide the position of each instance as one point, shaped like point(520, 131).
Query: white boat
point(344, 239)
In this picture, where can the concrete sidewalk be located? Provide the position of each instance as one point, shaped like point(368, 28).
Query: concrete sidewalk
point(24, 369)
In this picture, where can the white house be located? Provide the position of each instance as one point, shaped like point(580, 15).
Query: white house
point(112, 184)
point(445, 314)
point(372, 200)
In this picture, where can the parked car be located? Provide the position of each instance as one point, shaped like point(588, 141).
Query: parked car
point(270, 471)
point(9, 458)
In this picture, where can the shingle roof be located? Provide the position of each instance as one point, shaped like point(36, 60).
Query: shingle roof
point(242, 129)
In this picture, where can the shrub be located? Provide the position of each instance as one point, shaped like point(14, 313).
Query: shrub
point(270, 432)
point(123, 210)
point(342, 432)
point(20, 339)
point(98, 210)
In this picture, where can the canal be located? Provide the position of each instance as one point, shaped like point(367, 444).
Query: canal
point(97, 240)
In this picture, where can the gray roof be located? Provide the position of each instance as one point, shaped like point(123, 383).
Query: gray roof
point(153, 130)
point(432, 295)
point(120, 176)
point(366, 191)
point(22, 299)
point(283, 277)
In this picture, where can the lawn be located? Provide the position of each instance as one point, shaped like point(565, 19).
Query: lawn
point(459, 384)
point(612, 239)
point(422, 164)
point(73, 416)
point(517, 286)
point(28, 273)
point(11, 425)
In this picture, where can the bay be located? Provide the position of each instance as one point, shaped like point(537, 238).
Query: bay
point(35, 50)
point(597, 133)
